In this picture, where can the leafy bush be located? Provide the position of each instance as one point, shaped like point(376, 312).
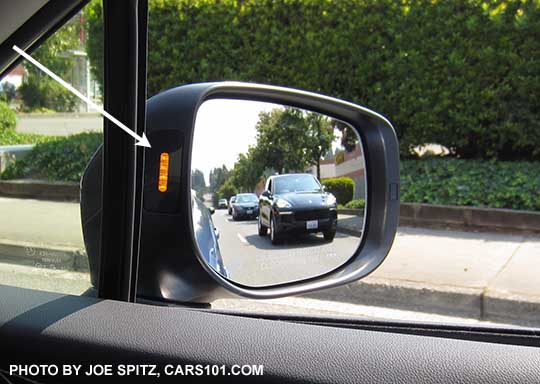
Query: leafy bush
point(7, 92)
point(61, 159)
point(341, 187)
point(514, 185)
point(41, 93)
point(8, 119)
point(458, 73)
point(226, 191)
point(13, 138)
point(340, 158)
point(356, 204)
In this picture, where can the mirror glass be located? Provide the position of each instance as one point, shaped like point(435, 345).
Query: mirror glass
point(278, 193)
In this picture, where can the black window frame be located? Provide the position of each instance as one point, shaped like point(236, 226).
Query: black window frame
point(125, 50)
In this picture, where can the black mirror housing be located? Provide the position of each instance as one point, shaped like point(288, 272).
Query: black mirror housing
point(173, 265)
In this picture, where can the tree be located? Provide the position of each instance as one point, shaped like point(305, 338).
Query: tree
point(291, 140)
point(320, 135)
point(227, 190)
point(93, 17)
point(38, 89)
point(218, 176)
point(198, 183)
point(279, 139)
point(247, 170)
point(349, 138)
point(8, 92)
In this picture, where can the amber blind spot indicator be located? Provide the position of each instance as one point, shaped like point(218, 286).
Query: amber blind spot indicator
point(163, 172)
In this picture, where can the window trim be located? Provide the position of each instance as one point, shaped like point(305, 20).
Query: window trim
point(125, 36)
point(43, 24)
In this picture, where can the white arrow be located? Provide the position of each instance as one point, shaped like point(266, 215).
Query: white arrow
point(142, 141)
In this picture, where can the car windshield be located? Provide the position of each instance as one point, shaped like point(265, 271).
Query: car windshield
point(296, 183)
point(251, 198)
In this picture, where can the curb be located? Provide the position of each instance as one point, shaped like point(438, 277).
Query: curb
point(494, 219)
point(405, 295)
point(349, 231)
point(43, 256)
point(40, 189)
point(477, 303)
point(462, 217)
point(348, 211)
point(512, 308)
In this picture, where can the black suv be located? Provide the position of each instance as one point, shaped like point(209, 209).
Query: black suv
point(294, 203)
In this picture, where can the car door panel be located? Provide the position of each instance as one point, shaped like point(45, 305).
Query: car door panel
point(88, 330)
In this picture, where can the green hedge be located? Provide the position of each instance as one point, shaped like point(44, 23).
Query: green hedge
point(60, 159)
point(341, 187)
point(226, 191)
point(8, 119)
point(13, 138)
point(356, 204)
point(463, 74)
point(514, 185)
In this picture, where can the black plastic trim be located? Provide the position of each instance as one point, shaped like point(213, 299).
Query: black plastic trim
point(43, 328)
point(175, 110)
point(36, 30)
point(123, 162)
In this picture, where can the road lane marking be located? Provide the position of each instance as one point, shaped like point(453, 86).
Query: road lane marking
point(242, 239)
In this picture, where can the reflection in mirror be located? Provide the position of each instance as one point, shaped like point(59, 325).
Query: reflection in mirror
point(288, 187)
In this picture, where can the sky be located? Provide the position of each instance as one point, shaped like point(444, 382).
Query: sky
point(224, 128)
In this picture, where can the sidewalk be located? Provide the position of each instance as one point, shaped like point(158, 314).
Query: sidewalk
point(488, 276)
point(46, 234)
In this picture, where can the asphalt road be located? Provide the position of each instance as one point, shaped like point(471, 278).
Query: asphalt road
point(252, 259)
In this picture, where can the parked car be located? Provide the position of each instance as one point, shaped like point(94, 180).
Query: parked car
point(296, 203)
point(246, 205)
point(222, 203)
point(231, 201)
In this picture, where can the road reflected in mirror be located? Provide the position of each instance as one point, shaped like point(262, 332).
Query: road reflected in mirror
point(278, 193)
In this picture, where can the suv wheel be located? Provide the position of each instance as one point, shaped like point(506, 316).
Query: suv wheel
point(274, 236)
point(263, 230)
point(329, 234)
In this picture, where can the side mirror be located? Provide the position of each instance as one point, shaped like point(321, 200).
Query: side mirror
point(266, 194)
point(212, 210)
point(333, 248)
